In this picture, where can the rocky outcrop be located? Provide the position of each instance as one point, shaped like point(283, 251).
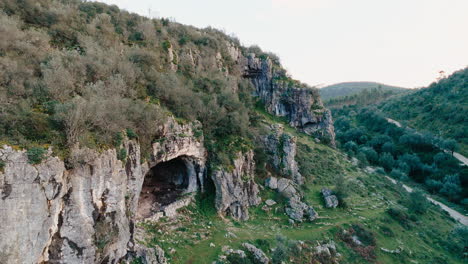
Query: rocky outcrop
point(236, 190)
point(29, 192)
point(282, 150)
point(331, 201)
point(80, 215)
point(282, 96)
point(182, 140)
point(85, 214)
point(298, 210)
point(259, 256)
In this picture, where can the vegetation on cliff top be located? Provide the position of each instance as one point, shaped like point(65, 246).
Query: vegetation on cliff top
point(82, 72)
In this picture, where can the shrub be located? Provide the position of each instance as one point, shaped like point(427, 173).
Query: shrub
point(131, 134)
point(2, 165)
point(36, 155)
point(122, 154)
point(418, 202)
point(118, 138)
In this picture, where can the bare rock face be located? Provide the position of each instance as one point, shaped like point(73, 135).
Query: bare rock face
point(30, 205)
point(282, 149)
point(186, 141)
point(85, 214)
point(75, 216)
point(236, 190)
point(301, 105)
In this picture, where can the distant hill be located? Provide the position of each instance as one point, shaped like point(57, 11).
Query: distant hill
point(366, 97)
point(441, 108)
point(350, 88)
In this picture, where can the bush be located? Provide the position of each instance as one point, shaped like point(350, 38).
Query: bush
point(36, 155)
point(131, 134)
point(122, 154)
point(2, 165)
point(418, 202)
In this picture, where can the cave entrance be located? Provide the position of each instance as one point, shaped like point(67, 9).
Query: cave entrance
point(164, 184)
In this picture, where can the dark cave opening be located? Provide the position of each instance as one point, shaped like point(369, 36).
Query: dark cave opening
point(163, 185)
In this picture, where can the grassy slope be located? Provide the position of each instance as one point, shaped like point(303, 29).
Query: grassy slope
point(350, 88)
point(198, 226)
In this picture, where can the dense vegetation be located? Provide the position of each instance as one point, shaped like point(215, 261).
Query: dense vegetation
point(81, 72)
point(440, 108)
point(364, 97)
point(403, 153)
point(351, 88)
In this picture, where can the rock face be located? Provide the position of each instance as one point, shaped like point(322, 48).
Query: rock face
point(301, 105)
point(85, 214)
point(236, 190)
point(80, 215)
point(282, 148)
point(331, 201)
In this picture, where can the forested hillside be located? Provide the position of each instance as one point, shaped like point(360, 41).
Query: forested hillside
point(441, 108)
point(351, 88)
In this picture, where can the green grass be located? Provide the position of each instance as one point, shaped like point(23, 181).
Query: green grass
point(187, 238)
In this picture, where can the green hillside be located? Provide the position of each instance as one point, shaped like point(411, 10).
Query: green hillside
point(365, 97)
point(350, 88)
point(441, 108)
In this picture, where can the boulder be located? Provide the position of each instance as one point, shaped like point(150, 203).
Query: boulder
point(331, 201)
point(258, 254)
point(270, 202)
point(286, 188)
point(272, 183)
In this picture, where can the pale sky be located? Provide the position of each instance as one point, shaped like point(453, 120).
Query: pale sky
point(397, 42)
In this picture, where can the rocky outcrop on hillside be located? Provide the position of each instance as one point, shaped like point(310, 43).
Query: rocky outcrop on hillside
point(296, 209)
point(80, 215)
point(236, 190)
point(299, 104)
point(282, 148)
point(85, 214)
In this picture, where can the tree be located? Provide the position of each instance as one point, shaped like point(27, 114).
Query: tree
point(450, 145)
point(371, 154)
point(387, 161)
point(418, 202)
point(451, 187)
point(350, 147)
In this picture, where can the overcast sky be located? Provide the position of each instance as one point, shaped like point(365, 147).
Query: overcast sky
point(398, 42)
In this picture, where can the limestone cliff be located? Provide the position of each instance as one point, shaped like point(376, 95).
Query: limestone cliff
point(282, 148)
point(236, 190)
point(86, 214)
point(299, 104)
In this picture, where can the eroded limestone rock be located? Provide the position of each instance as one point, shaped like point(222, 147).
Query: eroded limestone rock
point(257, 253)
point(236, 190)
point(301, 105)
point(282, 148)
point(331, 201)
